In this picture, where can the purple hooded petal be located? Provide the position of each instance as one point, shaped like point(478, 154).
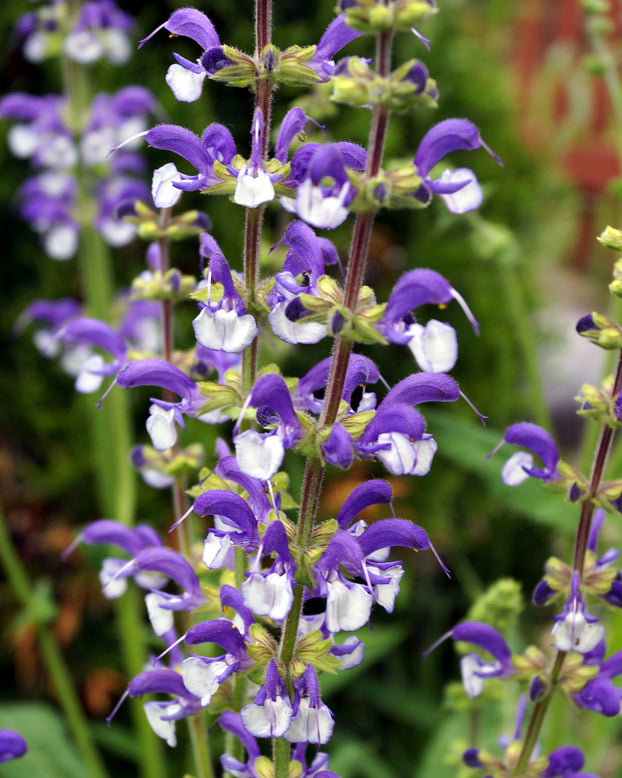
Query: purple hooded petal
point(338, 447)
point(114, 533)
point(96, 333)
point(393, 532)
point(483, 636)
point(12, 745)
point(221, 273)
point(563, 761)
point(275, 539)
point(422, 388)
point(219, 631)
point(169, 137)
point(445, 137)
point(416, 288)
point(337, 35)
point(597, 523)
point(271, 397)
point(599, 695)
point(361, 371)
point(294, 122)
point(52, 312)
point(344, 550)
point(231, 598)
point(170, 564)
point(163, 681)
point(219, 143)
point(218, 502)
point(536, 440)
point(374, 492)
point(305, 255)
point(393, 418)
point(156, 372)
point(189, 23)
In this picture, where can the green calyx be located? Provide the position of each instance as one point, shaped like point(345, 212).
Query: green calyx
point(372, 16)
point(360, 86)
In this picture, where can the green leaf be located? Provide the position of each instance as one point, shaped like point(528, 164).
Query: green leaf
point(50, 752)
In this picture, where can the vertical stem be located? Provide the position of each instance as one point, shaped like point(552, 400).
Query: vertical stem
point(199, 739)
point(537, 718)
point(111, 427)
point(583, 532)
point(252, 256)
point(587, 509)
point(54, 662)
point(314, 471)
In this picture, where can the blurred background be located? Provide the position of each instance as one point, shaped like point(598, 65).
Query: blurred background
point(527, 263)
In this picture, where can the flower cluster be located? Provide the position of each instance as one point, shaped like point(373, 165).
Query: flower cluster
point(261, 595)
point(49, 199)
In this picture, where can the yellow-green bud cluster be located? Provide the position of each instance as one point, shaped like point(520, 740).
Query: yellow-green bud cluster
point(599, 403)
point(358, 85)
point(149, 227)
point(284, 67)
point(372, 16)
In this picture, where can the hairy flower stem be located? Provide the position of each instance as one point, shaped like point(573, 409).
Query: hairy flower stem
point(314, 471)
point(537, 718)
point(587, 509)
point(581, 541)
point(200, 746)
point(252, 256)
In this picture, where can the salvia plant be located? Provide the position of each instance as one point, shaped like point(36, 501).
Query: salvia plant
point(255, 593)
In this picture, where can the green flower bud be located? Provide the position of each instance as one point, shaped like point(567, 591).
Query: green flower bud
point(242, 73)
point(499, 606)
point(590, 7)
point(612, 238)
point(263, 767)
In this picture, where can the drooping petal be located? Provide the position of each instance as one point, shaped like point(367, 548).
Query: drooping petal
point(445, 137)
point(375, 492)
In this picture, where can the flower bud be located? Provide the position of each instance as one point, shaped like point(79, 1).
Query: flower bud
point(611, 238)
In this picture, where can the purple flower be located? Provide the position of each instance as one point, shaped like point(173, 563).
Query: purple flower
point(337, 35)
point(185, 78)
point(566, 762)
point(261, 455)
point(270, 713)
point(234, 524)
point(520, 466)
point(474, 669)
point(163, 715)
point(396, 434)
point(575, 629)
point(115, 572)
point(304, 265)
point(415, 288)
point(94, 369)
point(12, 745)
point(164, 415)
point(599, 694)
point(318, 203)
point(222, 325)
point(459, 188)
point(100, 32)
point(312, 720)
point(203, 675)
